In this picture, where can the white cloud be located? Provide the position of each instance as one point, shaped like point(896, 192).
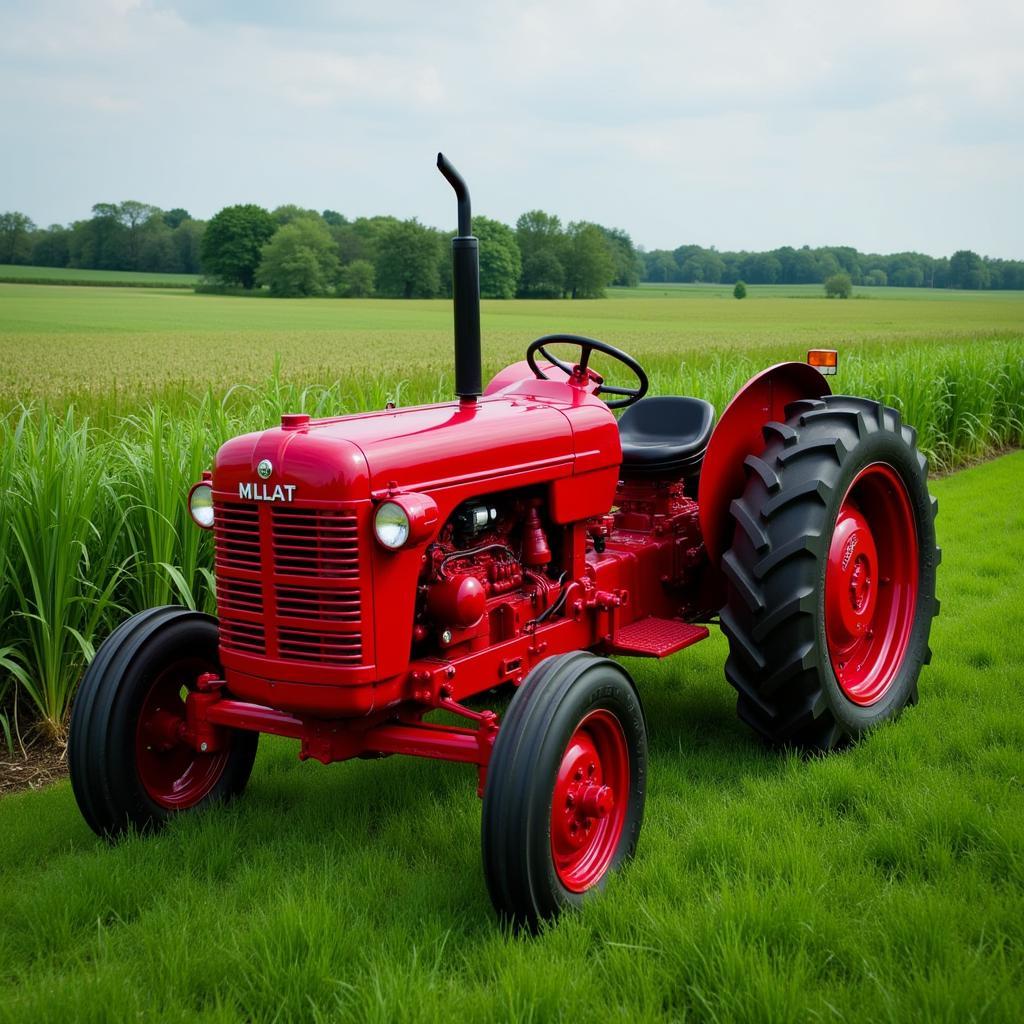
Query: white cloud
point(888, 125)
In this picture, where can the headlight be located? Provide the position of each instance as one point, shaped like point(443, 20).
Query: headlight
point(391, 524)
point(200, 505)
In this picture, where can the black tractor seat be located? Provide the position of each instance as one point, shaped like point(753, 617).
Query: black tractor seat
point(665, 436)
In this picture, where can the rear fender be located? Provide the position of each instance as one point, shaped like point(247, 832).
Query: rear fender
point(739, 433)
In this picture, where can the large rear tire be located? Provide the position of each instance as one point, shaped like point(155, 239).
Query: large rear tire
point(831, 574)
point(564, 799)
point(129, 769)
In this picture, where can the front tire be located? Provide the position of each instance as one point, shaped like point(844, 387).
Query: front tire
point(128, 767)
point(831, 575)
point(564, 799)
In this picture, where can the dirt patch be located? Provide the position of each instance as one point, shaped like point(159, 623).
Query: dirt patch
point(39, 765)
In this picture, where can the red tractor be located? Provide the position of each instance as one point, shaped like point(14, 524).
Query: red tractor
point(372, 569)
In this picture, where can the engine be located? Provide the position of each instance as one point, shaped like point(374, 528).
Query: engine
point(487, 574)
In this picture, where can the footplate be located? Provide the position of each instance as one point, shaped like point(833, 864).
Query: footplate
point(655, 638)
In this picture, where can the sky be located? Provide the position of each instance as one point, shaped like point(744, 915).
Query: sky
point(890, 126)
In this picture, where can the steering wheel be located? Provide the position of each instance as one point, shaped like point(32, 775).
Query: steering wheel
point(581, 372)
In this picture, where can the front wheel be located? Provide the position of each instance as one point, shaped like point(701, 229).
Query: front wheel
point(129, 765)
point(564, 799)
point(831, 575)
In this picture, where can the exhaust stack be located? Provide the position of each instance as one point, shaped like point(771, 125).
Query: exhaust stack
point(465, 291)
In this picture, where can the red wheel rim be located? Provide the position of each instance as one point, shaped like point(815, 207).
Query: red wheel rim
point(174, 774)
point(871, 584)
point(588, 809)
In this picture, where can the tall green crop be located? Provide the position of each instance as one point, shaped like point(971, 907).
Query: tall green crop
point(94, 523)
point(61, 509)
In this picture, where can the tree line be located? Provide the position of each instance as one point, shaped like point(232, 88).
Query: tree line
point(787, 265)
point(294, 251)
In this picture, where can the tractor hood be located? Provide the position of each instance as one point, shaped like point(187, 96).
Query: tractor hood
point(537, 429)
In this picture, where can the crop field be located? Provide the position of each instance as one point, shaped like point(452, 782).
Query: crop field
point(885, 883)
point(110, 350)
point(113, 401)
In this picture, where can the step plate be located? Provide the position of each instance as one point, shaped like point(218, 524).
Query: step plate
point(655, 638)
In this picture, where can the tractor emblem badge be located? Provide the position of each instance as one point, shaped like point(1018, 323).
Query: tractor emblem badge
point(265, 468)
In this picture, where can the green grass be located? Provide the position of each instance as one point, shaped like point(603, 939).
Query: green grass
point(17, 273)
point(882, 884)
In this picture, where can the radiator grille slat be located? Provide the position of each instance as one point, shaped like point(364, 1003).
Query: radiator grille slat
point(236, 534)
point(245, 637)
point(316, 542)
point(334, 648)
point(326, 605)
point(314, 560)
point(240, 595)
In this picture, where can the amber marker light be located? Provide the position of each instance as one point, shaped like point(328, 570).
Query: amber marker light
point(824, 360)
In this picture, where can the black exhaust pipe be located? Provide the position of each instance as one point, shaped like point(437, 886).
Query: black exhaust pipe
point(465, 291)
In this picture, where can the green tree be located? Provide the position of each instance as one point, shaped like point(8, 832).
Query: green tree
point(739, 291)
point(15, 237)
point(408, 261)
point(500, 262)
point(173, 218)
point(187, 238)
point(100, 243)
point(356, 280)
point(908, 274)
point(849, 260)
point(590, 267)
point(804, 268)
point(660, 265)
point(761, 268)
point(359, 240)
point(876, 277)
point(967, 270)
point(289, 212)
point(543, 246)
point(543, 276)
point(135, 217)
point(299, 260)
point(627, 261)
point(827, 266)
point(233, 241)
point(157, 251)
point(701, 265)
point(838, 286)
point(713, 266)
point(50, 247)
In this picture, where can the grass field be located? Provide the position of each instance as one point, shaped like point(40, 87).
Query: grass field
point(16, 273)
point(882, 884)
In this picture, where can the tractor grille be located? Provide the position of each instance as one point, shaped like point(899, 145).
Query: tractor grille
point(316, 542)
point(236, 532)
point(288, 583)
